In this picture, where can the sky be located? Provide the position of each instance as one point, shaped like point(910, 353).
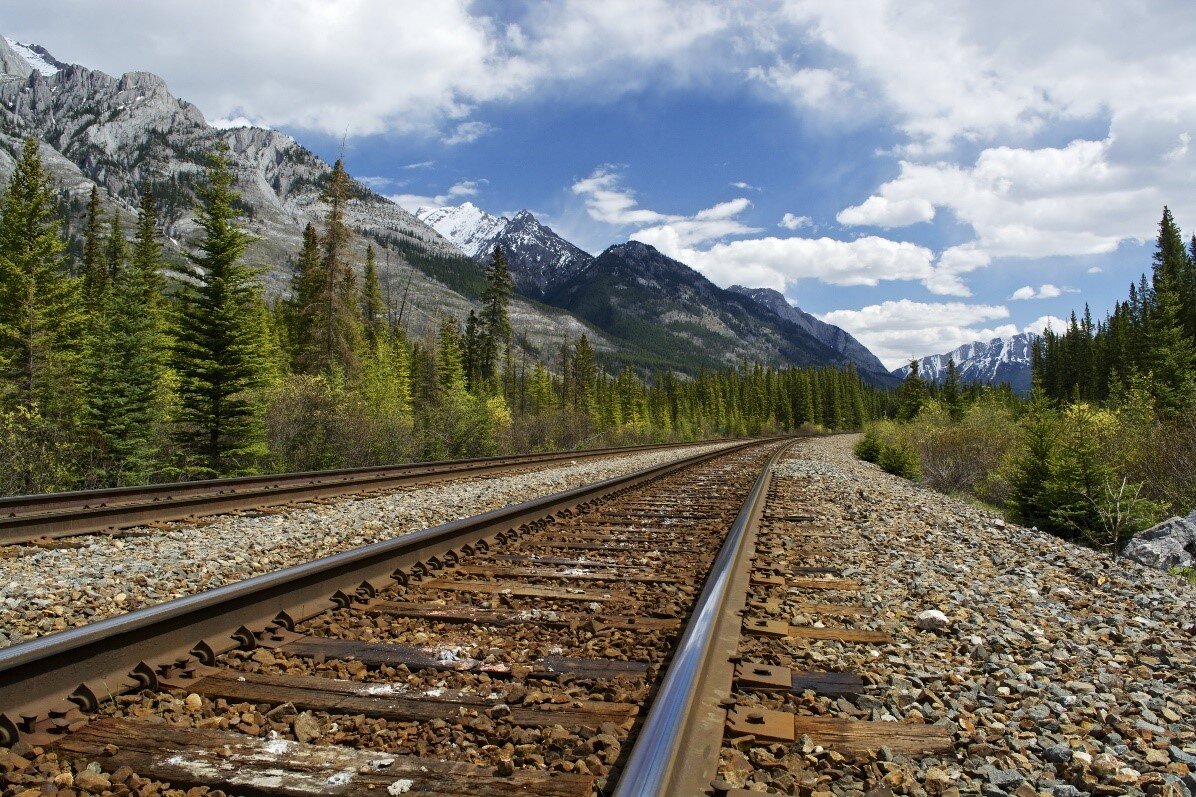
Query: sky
point(923, 174)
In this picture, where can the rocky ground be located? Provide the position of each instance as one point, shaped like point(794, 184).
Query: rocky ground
point(1058, 671)
point(43, 590)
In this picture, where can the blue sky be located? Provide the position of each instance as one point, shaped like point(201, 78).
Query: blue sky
point(921, 173)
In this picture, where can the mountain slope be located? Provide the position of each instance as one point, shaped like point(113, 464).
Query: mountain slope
point(833, 336)
point(677, 318)
point(539, 260)
point(121, 134)
point(988, 363)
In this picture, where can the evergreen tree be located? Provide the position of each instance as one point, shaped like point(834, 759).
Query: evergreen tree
point(41, 321)
point(495, 319)
point(117, 249)
point(373, 308)
point(127, 358)
point(911, 395)
point(95, 269)
point(584, 375)
point(217, 350)
point(329, 314)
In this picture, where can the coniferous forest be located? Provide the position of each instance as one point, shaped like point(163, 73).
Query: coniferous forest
point(118, 368)
point(1106, 444)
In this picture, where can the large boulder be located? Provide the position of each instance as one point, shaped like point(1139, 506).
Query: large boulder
point(1171, 543)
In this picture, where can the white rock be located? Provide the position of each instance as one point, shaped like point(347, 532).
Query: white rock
point(933, 620)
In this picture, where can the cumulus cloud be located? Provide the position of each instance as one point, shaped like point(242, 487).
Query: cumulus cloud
point(608, 200)
point(1095, 270)
point(456, 192)
point(881, 211)
point(792, 221)
point(1051, 322)
point(897, 331)
point(467, 132)
point(1047, 291)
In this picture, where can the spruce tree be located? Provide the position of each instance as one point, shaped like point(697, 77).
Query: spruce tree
point(373, 308)
point(911, 395)
point(95, 269)
point(329, 315)
point(217, 349)
point(127, 359)
point(950, 393)
point(116, 250)
point(495, 319)
point(41, 321)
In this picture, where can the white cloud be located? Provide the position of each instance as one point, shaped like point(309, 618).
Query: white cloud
point(881, 211)
point(1052, 322)
point(467, 132)
point(791, 221)
point(608, 201)
point(1095, 270)
point(1047, 291)
point(457, 191)
point(742, 186)
point(234, 122)
point(815, 88)
point(420, 165)
point(897, 331)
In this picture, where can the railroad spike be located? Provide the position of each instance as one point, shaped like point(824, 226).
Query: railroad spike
point(401, 578)
point(284, 620)
point(144, 675)
point(367, 590)
point(203, 651)
point(246, 639)
point(342, 600)
point(84, 697)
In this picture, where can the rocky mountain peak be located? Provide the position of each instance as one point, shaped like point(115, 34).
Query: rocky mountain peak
point(992, 362)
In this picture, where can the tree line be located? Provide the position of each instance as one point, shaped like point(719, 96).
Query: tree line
point(1106, 444)
point(120, 365)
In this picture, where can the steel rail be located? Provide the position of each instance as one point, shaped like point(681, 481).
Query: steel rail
point(48, 679)
point(55, 515)
point(677, 749)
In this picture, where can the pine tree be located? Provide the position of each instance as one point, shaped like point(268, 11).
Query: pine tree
point(95, 270)
point(217, 351)
point(373, 308)
point(911, 395)
point(117, 248)
point(127, 359)
point(495, 319)
point(329, 315)
point(584, 373)
point(41, 322)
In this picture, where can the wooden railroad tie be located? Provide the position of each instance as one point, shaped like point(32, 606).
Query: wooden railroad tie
point(393, 702)
point(379, 654)
point(758, 677)
point(499, 618)
point(240, 764)
point(781, 629)
point(572, 574)
point(519, 590)
point(842, 735)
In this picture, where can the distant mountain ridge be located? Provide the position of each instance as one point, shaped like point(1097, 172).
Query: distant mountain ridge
point(835, 337)
point(121, 134)
point(539, 260)
point(988, 363)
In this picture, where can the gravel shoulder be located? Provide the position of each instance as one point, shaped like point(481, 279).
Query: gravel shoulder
point(44, 590)
point(1057, 671)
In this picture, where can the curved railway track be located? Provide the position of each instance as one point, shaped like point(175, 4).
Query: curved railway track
point(618, 638)
point(26, 518)
point(587, 587)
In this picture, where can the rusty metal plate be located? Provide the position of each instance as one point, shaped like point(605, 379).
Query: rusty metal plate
point(762, 723)
point(777, 628)
point(754, 675)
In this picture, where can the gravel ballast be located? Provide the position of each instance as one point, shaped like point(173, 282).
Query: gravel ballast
point(44, 590)
point(1057, 671)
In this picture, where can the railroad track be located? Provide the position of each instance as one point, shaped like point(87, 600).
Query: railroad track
point(612, 639)
point(28, 518)
point(574, 599)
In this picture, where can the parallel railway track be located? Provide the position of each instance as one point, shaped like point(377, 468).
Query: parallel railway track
point(25, 518)
point(591, 642)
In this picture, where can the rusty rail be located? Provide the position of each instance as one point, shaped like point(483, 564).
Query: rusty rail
point(54, 515)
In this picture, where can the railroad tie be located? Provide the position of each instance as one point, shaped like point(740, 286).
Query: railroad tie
point(380, 654)
point(394, 702)
point(240, 764)
point(520, 590)
point(500, 618)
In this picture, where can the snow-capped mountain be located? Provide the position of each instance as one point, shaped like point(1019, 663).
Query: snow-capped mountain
point(121, 134)
point(35, 56)
point(538, 258)
point(999, 360)
point(833, 336)
point(472, 229)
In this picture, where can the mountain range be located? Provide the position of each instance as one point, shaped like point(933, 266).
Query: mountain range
point(638, 306)
point(987, 363)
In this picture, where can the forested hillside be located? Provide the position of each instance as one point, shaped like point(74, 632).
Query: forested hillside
point(1106, 444)
point(115, 370)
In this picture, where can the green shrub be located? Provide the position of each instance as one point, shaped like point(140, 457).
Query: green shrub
point(868, 446)
point(1186, 573)
point(900, 459)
